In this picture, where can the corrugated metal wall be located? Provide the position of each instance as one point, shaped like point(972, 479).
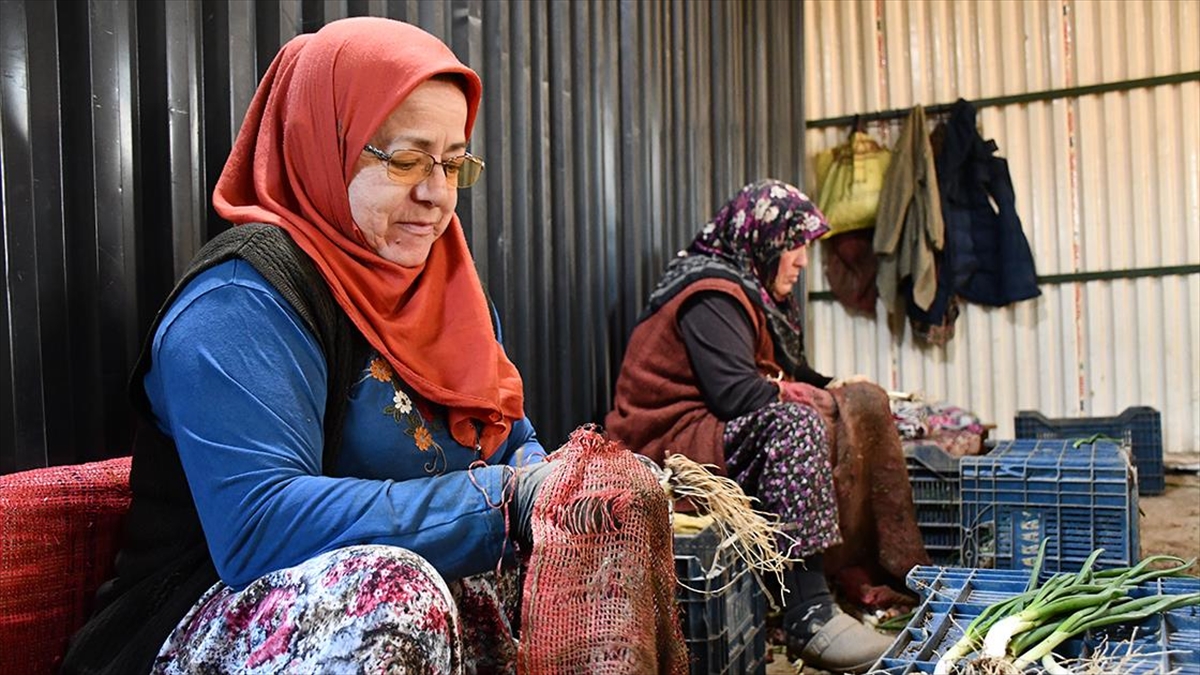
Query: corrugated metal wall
point(1104, 183)
point(611, 130)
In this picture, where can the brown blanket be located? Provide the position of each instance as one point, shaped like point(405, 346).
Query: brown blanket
point(875, 504)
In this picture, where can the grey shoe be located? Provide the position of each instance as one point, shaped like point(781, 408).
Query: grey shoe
point(842, 644)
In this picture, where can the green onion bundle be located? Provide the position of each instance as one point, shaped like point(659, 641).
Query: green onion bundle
point(1014, 633)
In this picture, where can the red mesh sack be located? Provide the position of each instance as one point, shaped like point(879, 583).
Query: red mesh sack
point(599, 594)
point(59, 532)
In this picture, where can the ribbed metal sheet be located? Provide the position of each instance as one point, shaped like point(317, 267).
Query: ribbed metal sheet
point(1103, 182)
point(611, 130)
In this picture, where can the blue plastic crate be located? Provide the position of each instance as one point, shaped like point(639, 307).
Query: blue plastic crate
point(952, 597)
point(1077, 496)
point(722, 608)
point(1139, 427)
point(933, 474)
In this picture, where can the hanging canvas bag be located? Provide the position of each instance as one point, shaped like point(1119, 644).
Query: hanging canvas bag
point(849, 180)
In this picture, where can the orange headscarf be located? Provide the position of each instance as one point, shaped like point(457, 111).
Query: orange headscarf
point(319, 103)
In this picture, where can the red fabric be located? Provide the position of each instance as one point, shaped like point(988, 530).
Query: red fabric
point(658, 408)
point(317, 106)
point(857, 586)
point(957, 442)
point(850, 268)
point(59, 534)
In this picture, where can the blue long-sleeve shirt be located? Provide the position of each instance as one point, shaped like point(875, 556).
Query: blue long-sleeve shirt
point(239, 383)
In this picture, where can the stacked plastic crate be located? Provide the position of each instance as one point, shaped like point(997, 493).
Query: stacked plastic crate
point(934, 476)
point(722, 608)
point(1077, 496)
point(1139, 428)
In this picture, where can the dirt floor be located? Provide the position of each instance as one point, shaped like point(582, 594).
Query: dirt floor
point(1171, 521)
point(1170, 524)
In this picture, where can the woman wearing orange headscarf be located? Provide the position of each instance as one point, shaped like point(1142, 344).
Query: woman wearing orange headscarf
point(330, 423)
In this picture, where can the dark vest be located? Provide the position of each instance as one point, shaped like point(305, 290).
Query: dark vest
point(164, 566)
point(658, 407)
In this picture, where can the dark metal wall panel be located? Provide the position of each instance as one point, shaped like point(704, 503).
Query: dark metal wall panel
point(112, 42)
point(611, 131)
point(569, 352)
point(24, 415)
point(185, 119)
point(53, 307)
point(519, 145)
point(85, 409)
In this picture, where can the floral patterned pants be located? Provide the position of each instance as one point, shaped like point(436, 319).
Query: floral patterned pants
point(780, 455)
point(360, 609)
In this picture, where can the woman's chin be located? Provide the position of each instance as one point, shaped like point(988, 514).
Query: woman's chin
point(407, 254)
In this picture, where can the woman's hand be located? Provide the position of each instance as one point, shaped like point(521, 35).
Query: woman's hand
point(825, 404)
point(799, 392)
point(853, 379)
point(520, 516)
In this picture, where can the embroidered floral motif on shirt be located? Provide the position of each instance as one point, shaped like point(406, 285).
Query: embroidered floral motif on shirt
point(404, 411)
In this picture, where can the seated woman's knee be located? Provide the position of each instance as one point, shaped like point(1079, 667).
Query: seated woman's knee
point(383, 575)
point(796, 417)
point(392, 603)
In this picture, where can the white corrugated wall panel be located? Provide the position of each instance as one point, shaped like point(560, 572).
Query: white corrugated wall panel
point(1103, 182)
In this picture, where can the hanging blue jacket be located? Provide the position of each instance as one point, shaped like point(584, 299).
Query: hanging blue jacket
point(986, 259)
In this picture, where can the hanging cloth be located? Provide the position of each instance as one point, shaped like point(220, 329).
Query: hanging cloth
point(991, 263)
point(908, 227)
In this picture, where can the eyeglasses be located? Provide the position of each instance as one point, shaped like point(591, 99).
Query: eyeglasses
point(411, 167)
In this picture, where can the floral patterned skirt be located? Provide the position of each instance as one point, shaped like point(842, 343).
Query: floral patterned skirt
point(360, 609)
point(780, 455)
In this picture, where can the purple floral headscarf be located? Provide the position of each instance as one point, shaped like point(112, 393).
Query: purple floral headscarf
point(743, 243)
point(763, 220)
